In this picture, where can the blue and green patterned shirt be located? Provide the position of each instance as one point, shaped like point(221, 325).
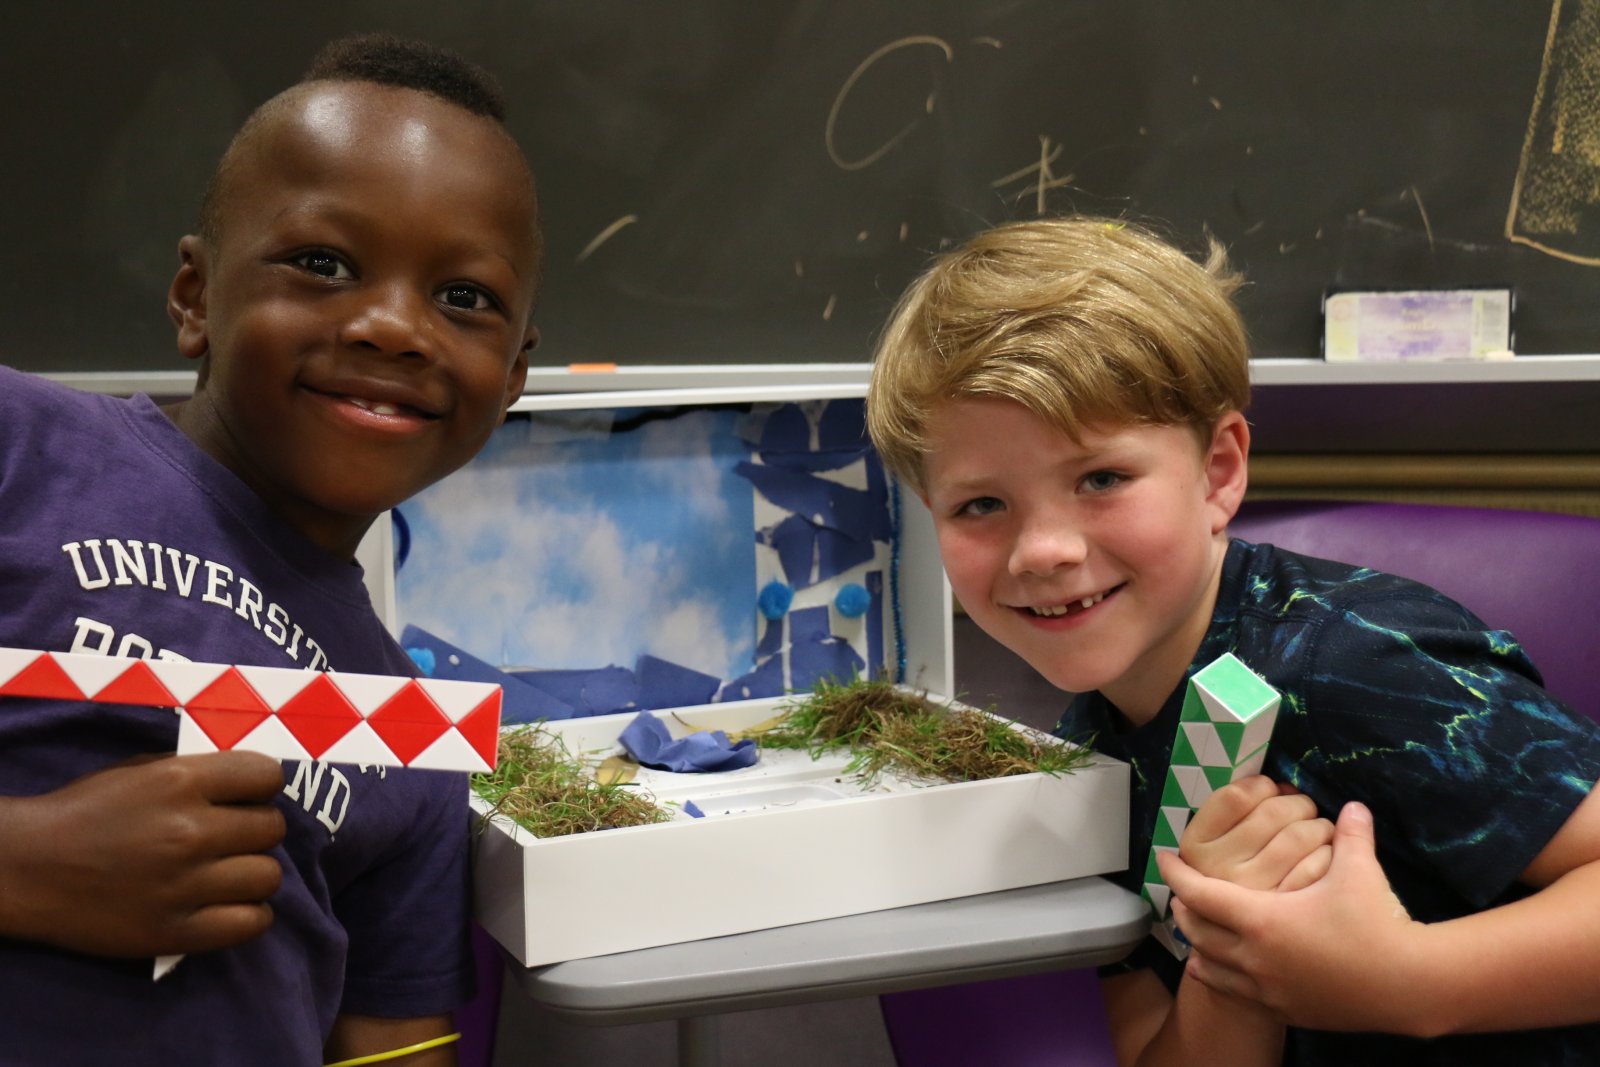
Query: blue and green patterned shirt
point(1396, 696)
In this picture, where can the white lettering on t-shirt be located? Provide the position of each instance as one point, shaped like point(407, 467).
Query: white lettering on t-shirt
point(338, 795)
point(99, 563)
point(249, 603)
point(92, 637)
point(277, 628)
point(159, 581)
point(216, 581)
point(306, 784)
point(184, 578)
point(132, 646)
point(84, 580)
point(129, 558)
point(95, 638)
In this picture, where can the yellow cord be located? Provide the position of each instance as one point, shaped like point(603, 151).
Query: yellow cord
point(396, 1053)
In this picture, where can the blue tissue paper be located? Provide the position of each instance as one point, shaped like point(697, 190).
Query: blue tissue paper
point(647, 740)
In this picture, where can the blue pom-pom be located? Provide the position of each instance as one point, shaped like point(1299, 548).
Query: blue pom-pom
point(774, 599)
point(853, 600)
point(423, 658)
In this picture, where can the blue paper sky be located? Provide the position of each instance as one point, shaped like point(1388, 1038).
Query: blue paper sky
point(564, 546)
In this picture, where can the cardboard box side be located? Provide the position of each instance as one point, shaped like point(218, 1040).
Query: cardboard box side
point(619, 890)
point(498, 892)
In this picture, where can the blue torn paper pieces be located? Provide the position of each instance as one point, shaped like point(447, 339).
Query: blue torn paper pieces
point(647, 740)
point(663, 684)
point(523, 702)
point(533, 695)
point(591, 691)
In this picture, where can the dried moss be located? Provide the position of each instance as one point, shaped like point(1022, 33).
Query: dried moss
point(905, 732)
point(539, 785)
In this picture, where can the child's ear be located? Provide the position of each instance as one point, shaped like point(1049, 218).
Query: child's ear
point(517, 376)
point(186, 299)
point(1227, 469)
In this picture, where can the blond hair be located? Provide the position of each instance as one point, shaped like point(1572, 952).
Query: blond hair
point(1082, 320)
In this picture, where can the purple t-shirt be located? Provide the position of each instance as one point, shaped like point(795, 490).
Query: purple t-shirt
point(118, 536)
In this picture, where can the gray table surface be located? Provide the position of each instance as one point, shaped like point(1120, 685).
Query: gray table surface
point(1061, 925)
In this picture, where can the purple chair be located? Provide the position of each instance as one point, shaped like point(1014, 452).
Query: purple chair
point(1532, 573)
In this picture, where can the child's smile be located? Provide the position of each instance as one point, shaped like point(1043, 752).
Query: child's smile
point(387, 407)
point(1096, 562)
point(1071, 608)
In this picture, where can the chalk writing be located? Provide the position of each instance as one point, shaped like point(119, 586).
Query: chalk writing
point(1427, 226)
point(838, 102)
point(605, 235)
point(1044, 179)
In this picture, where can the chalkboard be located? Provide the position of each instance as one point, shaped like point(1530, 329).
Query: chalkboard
point(736, 181)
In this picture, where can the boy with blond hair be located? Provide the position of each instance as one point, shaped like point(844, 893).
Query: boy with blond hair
point(1067, 397)
point(359, 300)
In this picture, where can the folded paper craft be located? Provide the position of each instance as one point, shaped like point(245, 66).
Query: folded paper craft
point(1223, 730)
point(285, 712)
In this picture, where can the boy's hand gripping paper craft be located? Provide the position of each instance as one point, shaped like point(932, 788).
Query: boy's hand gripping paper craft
point(1227, 719)
point(370, 719)
point(286, 712)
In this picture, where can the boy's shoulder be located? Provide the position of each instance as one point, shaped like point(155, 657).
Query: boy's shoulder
point(1266, 580)
point(27, 398)
point(44, 423)
point(1315, 618)
point(1345, 634)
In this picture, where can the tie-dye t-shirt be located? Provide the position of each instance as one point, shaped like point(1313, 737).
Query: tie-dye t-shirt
point(1396, 696)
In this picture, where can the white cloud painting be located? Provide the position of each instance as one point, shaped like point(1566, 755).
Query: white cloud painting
point(566, 544)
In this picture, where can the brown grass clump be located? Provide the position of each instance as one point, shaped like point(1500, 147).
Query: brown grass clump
point(897, 730)
point(545, 789)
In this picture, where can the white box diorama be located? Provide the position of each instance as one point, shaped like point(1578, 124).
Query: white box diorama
point(713, 559)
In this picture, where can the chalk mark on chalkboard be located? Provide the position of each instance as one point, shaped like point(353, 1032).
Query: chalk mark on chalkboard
point(1046, 179)
point(605, 235)
point(844, 91)
point(1427, 227)
point(1556, 188)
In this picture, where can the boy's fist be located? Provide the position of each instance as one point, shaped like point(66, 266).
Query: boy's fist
point(1260, 835)
point(149, 857)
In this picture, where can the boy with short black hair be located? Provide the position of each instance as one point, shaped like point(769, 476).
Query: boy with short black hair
point(1067, 397)
point(360, 302)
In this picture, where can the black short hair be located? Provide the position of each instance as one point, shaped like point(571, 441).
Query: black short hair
point(381, 59)
point(388, 60)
